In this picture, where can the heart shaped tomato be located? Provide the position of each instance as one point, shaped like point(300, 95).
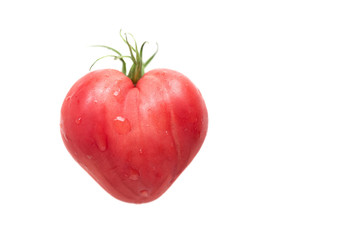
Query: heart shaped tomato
point(134, 137)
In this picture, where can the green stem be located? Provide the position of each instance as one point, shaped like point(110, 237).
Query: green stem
point(137, 69)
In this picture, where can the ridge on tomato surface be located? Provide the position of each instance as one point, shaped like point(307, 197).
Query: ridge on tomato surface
point(133, 132)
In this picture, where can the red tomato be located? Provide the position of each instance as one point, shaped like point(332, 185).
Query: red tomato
point(134, 140)
point(134, 135)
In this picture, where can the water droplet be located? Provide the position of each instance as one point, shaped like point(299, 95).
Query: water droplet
point(134, 174)
point(122, 125)
point(166, 132)
point(140, 151)
point(119, 118)
point(65, 137)
point(95, 101)
point(68, 98)
point(78, 120)
point(116, 93)
point(101, 143)
point(144, 193)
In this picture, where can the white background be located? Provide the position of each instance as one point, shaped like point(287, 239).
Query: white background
point(281, 83)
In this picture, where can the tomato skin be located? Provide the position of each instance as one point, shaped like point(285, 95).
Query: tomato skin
point(134, 140)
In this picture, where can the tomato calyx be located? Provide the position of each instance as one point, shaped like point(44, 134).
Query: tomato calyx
point(137, 69)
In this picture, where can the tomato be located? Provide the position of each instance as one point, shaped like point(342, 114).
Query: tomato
point(134, 138)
